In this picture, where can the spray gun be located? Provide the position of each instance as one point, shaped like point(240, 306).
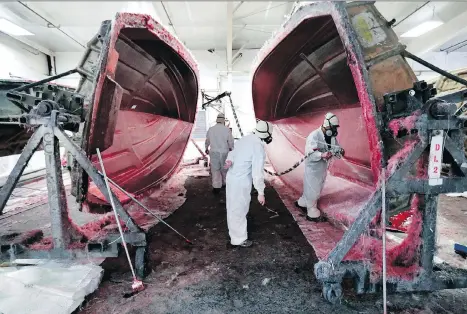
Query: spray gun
point(336, 151)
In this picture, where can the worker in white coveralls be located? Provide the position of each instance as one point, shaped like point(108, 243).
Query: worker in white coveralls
point(246, 167)
point(322, 145)
point(219, 141)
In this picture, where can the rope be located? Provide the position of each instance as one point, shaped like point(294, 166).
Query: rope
point(383, 222)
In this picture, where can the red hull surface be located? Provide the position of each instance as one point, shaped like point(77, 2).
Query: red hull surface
point(143, 106)
point(341, 58)
point(295, 96)
point(316, 64)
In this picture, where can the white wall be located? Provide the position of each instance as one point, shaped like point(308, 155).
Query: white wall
point(65, 61)
point(446, 61)
point(19, 61)
point(213, 65)
point(242, 101)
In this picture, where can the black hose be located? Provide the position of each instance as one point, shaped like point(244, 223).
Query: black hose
point(22, 88)
point(434, 68)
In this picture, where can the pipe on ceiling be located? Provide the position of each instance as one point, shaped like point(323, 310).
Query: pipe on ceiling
point(168, 17)
point(50, 23)
point(412, 13)
point(464, 42)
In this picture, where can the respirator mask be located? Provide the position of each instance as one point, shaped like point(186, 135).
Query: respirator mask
point(268, 139)
point(332, 132)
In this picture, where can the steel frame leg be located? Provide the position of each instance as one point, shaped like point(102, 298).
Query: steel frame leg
point(429, 232)
point(96, 177)
point(60, 224)
point(140, 262)
point(62, 230)
point(21, 164)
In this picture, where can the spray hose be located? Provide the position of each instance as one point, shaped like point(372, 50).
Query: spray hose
point(265, 170)
point(336, 152)
point(298, 163)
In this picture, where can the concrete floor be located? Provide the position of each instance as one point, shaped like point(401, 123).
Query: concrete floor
point(274, 276)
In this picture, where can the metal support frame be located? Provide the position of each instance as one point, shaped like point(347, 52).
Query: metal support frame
point(333, 269)
point(210, 102)
point(50, 134)
point(219, 97)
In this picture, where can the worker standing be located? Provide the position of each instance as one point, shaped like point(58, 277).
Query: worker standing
point(219, 141)
point(322, 145)
point(246, 168)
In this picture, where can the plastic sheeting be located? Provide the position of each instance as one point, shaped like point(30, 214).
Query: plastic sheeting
point(46, 289)
point(463, 194)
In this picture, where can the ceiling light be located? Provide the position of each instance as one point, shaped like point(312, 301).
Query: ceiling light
point(421, 29)
point(13, 29)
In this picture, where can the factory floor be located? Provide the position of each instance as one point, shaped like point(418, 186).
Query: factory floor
point(273, 276)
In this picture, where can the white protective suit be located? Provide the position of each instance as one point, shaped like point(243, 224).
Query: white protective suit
point(220, 140)
point(247, 168)
point(315, 171)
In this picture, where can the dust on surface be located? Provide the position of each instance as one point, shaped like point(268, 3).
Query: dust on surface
point(273, 276)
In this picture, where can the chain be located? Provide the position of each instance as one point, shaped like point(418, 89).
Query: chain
point(235, 116)
point(276, 174)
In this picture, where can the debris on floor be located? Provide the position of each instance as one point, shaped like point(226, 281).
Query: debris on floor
point(212, 277)
point(265, 281)
point(48, 288)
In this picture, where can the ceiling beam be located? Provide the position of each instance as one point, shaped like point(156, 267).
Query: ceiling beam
point(32, 44)
point(438, 36)
point(237, 32)
point(260, 11)
point(293, 7)
point(237, 6)
point(239, 51)
point(230, 13)
point(229, 34)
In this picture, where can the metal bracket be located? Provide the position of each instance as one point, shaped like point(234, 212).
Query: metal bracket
point(436, 120)
point(50, 134)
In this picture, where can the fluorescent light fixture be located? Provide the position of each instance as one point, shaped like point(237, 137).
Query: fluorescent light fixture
point(421, 29)
point(13, 29)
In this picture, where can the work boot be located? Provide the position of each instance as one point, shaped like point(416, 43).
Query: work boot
point(314, 214)
point(246, 243)
point(317, 219)
point(216, 190)
point(300, 207)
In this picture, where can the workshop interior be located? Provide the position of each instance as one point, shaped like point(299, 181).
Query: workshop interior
point(233, 157)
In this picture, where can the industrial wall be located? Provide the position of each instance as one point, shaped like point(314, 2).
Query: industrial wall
point(19, 61)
